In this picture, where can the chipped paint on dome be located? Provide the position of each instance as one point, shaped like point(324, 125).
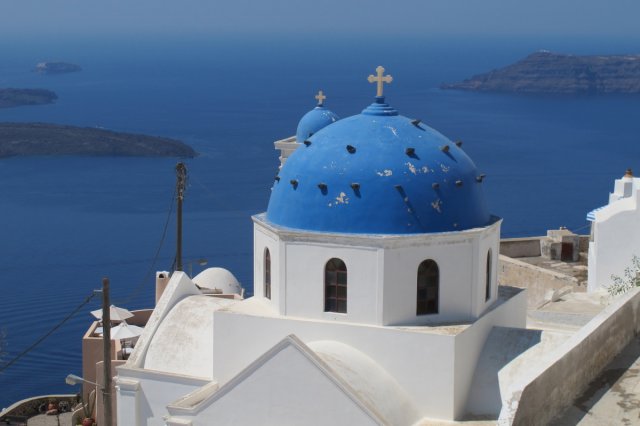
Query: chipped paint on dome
point(390, 174)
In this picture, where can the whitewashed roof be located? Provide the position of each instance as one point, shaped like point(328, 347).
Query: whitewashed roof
point(218, 279)
point(183, 341)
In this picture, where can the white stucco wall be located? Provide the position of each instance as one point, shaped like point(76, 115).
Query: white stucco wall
point(382, 273)
point(421, 362)
point(616, 238)
point(469, 344)
point(286, 388)
point(143, 395)
point(265, 239)
point(305, 281)
point(461, 259)
point(434, 365)
point(489, 241)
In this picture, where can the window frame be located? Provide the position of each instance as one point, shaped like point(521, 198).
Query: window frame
point(266, 275)
point(335, 286)
point(488, 276)
point(428, 284)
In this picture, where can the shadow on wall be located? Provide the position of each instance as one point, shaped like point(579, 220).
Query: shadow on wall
point(501, 347)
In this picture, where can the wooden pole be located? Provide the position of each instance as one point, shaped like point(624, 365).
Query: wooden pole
point(181, 180)
point(106, 354)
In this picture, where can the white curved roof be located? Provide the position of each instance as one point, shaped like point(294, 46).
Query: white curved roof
point(371, 383)
point(218, 278)
point(183, 342)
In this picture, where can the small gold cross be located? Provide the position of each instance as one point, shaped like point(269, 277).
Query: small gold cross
point(320, 97)
point(380, 79)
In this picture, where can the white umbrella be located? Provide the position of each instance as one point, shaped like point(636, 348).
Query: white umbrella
point(125, 331)
point(117, 314)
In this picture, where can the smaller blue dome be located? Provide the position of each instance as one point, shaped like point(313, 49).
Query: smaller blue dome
point(313, 121)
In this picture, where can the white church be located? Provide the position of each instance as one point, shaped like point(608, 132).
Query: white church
point(374, 288)
point(615, 232)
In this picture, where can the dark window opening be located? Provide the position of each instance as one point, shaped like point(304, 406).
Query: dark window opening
point(267, 273)
point(428, 288)
point(488, 278)
point(335, 286)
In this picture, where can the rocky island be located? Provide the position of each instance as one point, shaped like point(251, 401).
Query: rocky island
point(554, 73)
point(18, 97)
point(29, 139)
point(56, 68)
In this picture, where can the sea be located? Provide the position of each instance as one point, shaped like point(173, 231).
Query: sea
point(66, 222)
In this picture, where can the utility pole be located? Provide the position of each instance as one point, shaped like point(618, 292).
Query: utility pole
point(181, 183)
point(106, 354)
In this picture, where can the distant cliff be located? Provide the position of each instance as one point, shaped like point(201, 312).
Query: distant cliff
point(22, 139)
point(546, 72)
point(56, 67)
point(17, 97)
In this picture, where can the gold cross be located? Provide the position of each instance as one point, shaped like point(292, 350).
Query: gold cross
point(320, 97)
point(380, 79)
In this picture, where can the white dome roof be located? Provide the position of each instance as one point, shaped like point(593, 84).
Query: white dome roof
point(183, 342)
point(371, 382)
point(218, 279)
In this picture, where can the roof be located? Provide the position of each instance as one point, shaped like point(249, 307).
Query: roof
point(313, 121)
point(378, 172)
point(362, 392)
point(591, 216)
point(218, 279)
point(183, 341)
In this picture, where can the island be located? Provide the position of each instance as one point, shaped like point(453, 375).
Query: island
point(56, 68)
point(18, 97)
point(554, 73)
point(30, 139)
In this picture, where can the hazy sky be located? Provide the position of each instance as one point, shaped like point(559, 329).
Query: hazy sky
point(618, 18)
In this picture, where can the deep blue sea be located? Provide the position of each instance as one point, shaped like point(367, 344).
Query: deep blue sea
point(67, 222)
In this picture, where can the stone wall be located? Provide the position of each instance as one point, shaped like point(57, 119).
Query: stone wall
point(552, 386)
point(538, 281)
point(520, 247)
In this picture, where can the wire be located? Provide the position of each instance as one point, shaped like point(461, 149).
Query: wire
point(575, 231)
point(49, 333)
point(142, 283)
point(203, 186)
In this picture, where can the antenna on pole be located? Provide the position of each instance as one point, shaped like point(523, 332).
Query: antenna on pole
point(181, 183)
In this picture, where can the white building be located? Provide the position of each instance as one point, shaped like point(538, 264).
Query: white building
point(615, 233)
point(374, 292)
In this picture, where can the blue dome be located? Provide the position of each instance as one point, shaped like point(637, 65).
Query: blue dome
point(313, 121)
point(378, 173)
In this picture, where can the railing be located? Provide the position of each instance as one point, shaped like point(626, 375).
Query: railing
point(33, 406)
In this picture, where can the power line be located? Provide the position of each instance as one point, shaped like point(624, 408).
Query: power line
point(142, 283)
point(49, 333)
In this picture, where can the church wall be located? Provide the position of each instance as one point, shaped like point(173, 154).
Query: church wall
point(470, 343)
point(616, 241)
point(454, 259)
point(154, 392)
point(421, 362)
point(305, 263)
point(286, 389)
point(489, 240)
point(461, 261)
point(263, 238)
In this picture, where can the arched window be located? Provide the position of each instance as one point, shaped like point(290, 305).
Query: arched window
point(428, 288)
point(267, 273)
point(488, 277)
point(335, 286)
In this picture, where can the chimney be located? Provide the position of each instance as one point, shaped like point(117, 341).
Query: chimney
point(162, 279)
